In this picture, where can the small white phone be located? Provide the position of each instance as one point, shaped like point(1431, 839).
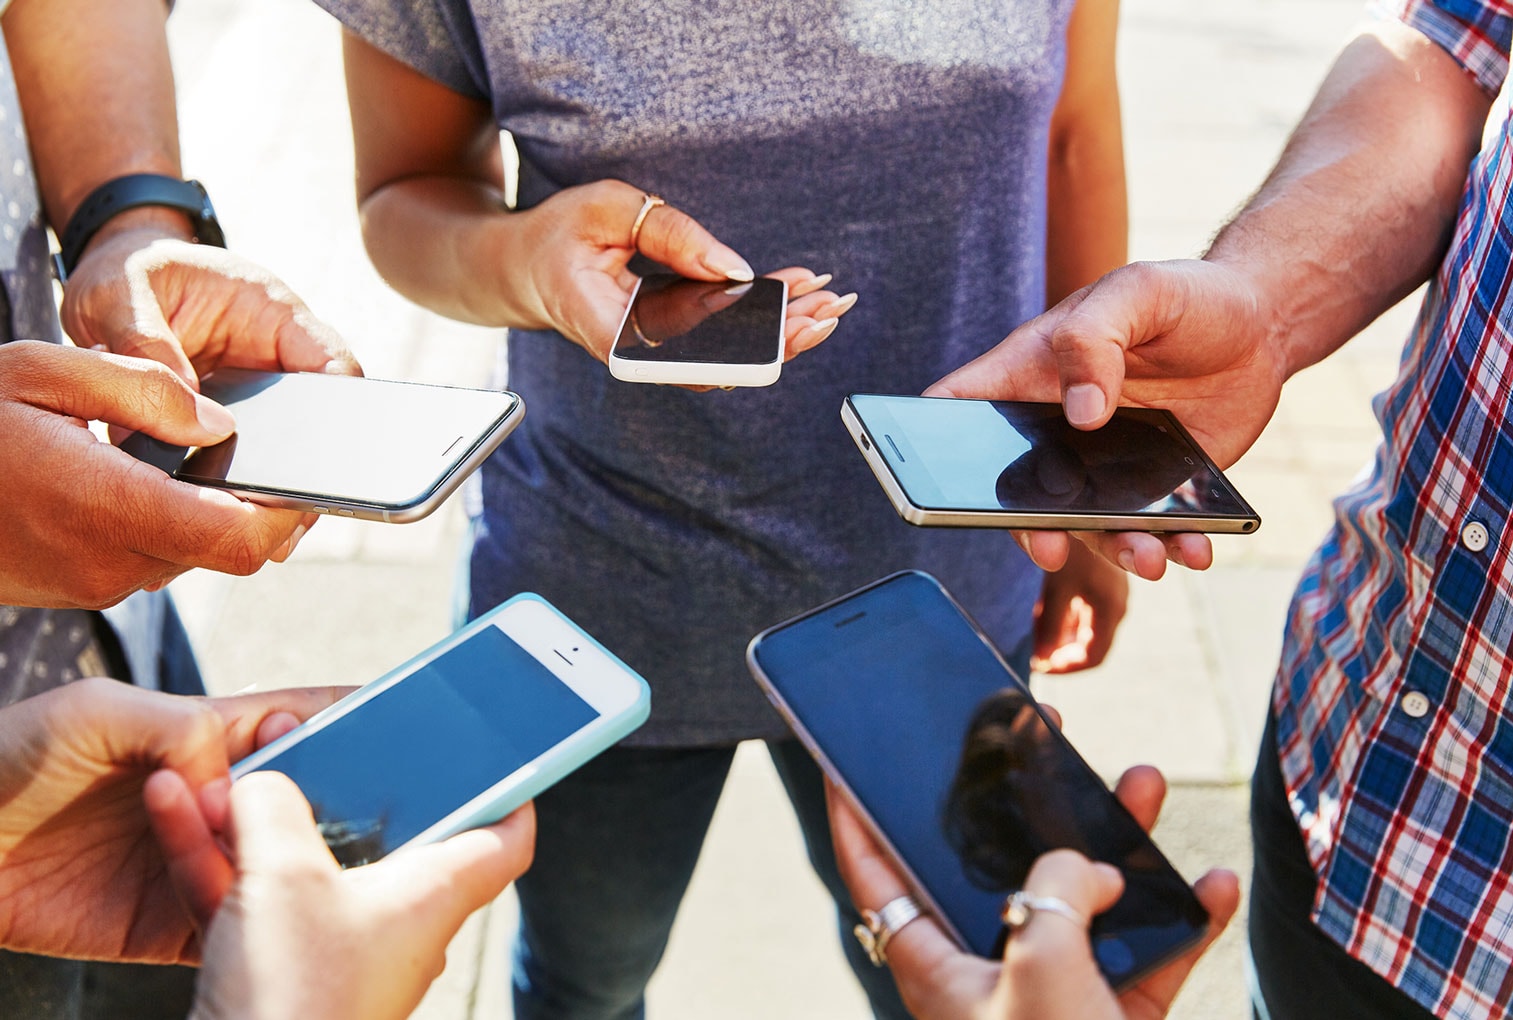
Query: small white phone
point(375, 449)
point(697, 333)
point(461, 735)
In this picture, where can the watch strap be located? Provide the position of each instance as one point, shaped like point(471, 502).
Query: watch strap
point(130, 192)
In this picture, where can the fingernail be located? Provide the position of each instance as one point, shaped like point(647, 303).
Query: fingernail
point(299, 533)
point(1127, 560)
point(818, 331)
point(214, 418)
point(842, 305)
point(817, 282)
point(737, 289)
point(729, 265)
point(1084, 404)
point(1023, 540)
point(1175, 552)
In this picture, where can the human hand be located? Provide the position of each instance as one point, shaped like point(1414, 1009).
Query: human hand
point(1188, 336)
point(297, 936)
point(1045, 975)
point(1081, 606)
point(193, 308)
point(80, 872)
point(82, 523)
point(578, 282)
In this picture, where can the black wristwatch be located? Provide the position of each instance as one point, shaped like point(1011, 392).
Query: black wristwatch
point(129, 192)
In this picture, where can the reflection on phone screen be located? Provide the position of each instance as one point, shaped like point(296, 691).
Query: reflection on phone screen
point(951, 759)
point(987, 456)
point(674, 319)
point(401, 761)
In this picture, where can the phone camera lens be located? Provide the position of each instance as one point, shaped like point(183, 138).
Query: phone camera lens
point(866, 444)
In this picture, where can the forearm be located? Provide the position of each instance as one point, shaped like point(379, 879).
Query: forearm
point(1087, 229)
point(1359, 209)
point(1088, 211)
point(449, 244)
point(97, 92)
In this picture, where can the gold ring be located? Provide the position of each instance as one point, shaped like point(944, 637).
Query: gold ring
point(635, 327)
point(649, 203)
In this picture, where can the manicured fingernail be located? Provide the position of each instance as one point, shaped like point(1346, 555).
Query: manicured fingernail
point(1127, 560)
point(817, 282)
point(818, 331)
point(841, 305)
point(1084, 404)
point(299, 533)
point(729, 265)
point(737, 289)
point(214, 418)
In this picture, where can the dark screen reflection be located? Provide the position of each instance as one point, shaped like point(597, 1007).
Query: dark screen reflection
point(1021, 790)
point(680, 320)
point(1125, 466)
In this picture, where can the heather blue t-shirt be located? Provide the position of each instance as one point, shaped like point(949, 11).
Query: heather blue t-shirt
point(898, 144)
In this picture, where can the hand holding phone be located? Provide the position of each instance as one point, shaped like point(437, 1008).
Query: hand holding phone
point(461, 735)
point(1049, 972)
point(974, 783)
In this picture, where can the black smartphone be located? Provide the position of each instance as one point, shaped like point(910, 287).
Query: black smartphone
point(344, 445)
point(991, 463)
point(909, 708)
point(693, 332)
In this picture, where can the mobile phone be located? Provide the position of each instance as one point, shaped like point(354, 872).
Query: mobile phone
point(1001, 464)
point(370, 448)
point(909, 708)
point(461, 735)
point(677, 330)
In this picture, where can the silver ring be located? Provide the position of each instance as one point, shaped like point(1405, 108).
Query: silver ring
point(1020, 907)
point(879, 926)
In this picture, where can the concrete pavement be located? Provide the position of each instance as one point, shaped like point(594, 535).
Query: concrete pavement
point(1209, 90)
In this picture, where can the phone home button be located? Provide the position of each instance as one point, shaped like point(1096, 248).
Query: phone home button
point(642, 373)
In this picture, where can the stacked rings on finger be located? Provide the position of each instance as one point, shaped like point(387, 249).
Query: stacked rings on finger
point(878, 927)
point(648, 203)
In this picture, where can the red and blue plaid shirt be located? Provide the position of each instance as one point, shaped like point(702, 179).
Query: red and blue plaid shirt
point(1394, 701)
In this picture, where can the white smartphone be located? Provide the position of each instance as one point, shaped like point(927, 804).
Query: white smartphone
point(911, 711)
point(461, 735)
point(1000, 464)
point(354, 447)
point(677, 330)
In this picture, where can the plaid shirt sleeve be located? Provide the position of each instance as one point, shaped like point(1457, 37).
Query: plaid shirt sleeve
point(1477, 33)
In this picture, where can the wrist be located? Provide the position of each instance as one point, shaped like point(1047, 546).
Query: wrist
point(143, 225)
point(180, 208)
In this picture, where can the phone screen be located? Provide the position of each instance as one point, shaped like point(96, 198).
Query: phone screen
point(401, 761)
point(673, 319)
point(949, 756)
point(351, 440)
point(980, 455)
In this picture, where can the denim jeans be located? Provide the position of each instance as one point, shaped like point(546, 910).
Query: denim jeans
point(615, 848)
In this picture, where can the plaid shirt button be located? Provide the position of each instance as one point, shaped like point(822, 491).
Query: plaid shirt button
point(1415, 704)
point(1474, 536)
